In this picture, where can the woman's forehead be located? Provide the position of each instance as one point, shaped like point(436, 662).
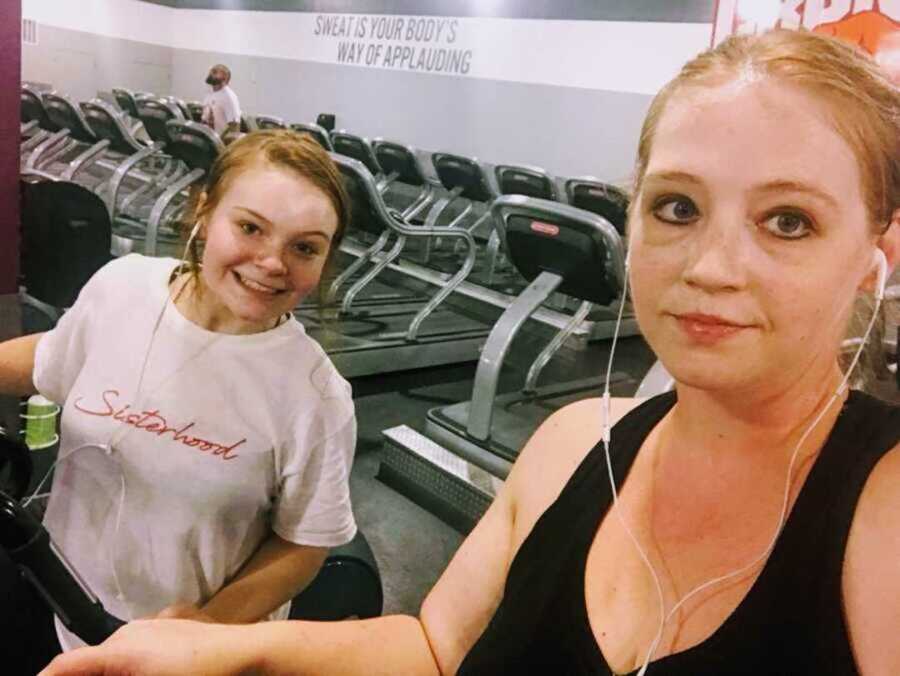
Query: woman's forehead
point(749, 132)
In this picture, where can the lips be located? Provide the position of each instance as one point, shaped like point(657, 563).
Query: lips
point(257, 287)
point(710, 320)
point(708, 329)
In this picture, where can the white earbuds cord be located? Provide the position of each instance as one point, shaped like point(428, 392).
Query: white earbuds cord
point(125, 430)
point(881, 262)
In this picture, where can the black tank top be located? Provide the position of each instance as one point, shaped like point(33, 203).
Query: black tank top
point(790, 622)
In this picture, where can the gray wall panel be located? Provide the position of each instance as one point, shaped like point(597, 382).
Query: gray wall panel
point(81, 64)
point(565, 130)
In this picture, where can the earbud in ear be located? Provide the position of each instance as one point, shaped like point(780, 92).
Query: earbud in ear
point(879, 261)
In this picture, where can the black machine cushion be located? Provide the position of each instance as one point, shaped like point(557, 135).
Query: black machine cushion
point(363, 215)
point(65, 240)
point(396, 158)
point(32, 108)
point(326, 121)
point(194, 150)
point(348, 585)
point(576, 251)
point(356, 149)
point(605, 201)
point(514, 182)
point(454, 170)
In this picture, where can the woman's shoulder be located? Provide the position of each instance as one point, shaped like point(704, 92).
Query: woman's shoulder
point(311, 364)
point(124, 279)
point(556, 449)
point(871, 581)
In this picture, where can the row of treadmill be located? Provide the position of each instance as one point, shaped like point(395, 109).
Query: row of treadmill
point(447, 261)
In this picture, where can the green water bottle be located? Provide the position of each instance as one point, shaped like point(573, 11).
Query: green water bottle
point(40, 423)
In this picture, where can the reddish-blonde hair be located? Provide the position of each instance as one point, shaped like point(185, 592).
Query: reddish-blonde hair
point(281, 148)
point(864, 104)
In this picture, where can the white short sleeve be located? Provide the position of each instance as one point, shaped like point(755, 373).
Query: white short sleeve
point(231, 109)
point(313, 504)
point(61, 352)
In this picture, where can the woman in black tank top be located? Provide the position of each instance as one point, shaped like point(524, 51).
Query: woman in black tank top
point(767, 197)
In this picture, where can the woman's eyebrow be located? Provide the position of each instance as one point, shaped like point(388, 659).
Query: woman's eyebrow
point(798, 186)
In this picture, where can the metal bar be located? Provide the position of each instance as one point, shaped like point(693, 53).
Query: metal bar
point(553, 347)
point(45, 146)
point(386, 180)
point(161, 204)
point(501, 337)
point(448, 288)
point(356, 265)
point(354, 290)
point(122, 171)
point(85, 159)
point(164, 179)
point(422, 202)
point(435, 213)
point(33, 141)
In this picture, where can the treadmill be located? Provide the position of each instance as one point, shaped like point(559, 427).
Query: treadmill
point(468, 448)
point(393, 336)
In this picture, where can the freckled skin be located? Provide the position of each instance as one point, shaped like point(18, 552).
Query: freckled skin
point(794, 294)
point(282, 245)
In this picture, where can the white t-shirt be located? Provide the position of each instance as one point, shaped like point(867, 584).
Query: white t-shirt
point(221, 108)
point(231, 437)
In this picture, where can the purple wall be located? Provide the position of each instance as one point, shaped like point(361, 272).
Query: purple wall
point(10, 74)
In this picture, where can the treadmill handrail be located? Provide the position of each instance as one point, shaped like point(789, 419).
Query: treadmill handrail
point(85, 159)
point(60, 137)
point(159, 208)
point(397, 224)
point(487, 375)
point(390, 219)
point(122, 171)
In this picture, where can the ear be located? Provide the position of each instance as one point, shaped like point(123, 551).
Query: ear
point(889, 243)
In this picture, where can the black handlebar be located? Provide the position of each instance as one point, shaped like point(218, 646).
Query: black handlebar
point(29, 546)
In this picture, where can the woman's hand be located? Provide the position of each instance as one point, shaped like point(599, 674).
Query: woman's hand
point(159, 647)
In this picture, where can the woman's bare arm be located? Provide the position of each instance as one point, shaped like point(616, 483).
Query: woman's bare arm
point(17, 365)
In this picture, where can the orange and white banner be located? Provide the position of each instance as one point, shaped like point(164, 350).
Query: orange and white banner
point(872, 24)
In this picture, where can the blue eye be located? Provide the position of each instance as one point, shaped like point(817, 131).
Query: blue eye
point(788, 225)
point(677, 210)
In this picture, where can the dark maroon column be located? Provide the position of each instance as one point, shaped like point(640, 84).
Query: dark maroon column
point(10, 75)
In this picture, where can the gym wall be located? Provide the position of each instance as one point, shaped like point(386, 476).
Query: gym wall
point(561, 84)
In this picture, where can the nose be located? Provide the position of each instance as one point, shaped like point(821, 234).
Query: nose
point(271, 260)
point(716, 256)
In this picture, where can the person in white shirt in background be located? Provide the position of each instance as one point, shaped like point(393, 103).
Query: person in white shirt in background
point(221, 108)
